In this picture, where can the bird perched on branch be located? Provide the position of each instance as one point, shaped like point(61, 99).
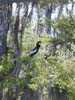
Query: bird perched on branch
point(35, 49)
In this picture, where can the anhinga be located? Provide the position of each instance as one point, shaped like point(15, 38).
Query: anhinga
point(35, 49)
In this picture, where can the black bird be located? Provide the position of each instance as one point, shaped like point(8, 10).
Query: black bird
point(35, 49)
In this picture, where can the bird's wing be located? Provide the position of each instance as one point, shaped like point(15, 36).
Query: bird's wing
point(33, 51)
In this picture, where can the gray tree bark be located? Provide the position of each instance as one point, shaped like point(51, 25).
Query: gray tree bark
point(48, 17)
point(4, 26)
point(5, 13)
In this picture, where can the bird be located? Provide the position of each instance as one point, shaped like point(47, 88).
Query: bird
point(35, 50)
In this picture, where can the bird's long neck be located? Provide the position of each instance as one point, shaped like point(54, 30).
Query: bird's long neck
point(38, 46)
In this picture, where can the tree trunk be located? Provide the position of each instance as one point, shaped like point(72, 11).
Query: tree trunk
point(4, 8)
point(5, 13)
point(48, 17)
point(54, 94)
point(29, 94)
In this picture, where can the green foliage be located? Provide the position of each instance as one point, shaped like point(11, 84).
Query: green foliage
point(65, 68)
point(5, 66)
point(52, 2)
point(36, 72)
point(42, 2)
point(56, 71)
point(65, 27)
point(33, 69)
point(39, 73)
point(62, 75)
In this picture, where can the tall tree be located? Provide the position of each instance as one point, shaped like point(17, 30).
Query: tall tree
point(5, 10)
